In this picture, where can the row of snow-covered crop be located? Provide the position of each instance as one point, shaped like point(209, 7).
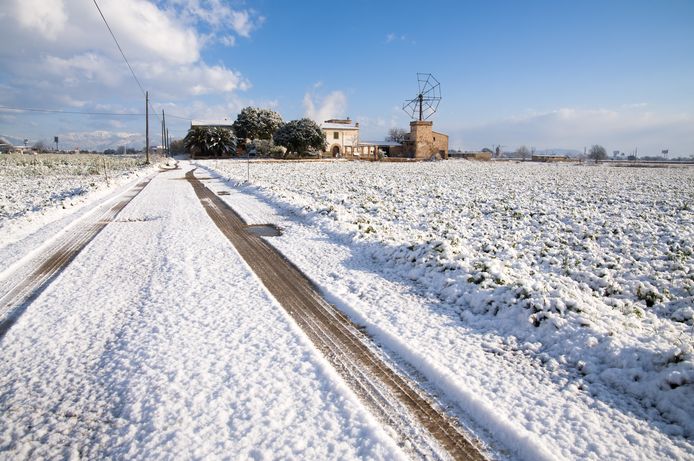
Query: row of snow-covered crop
point(33, 183)
point(591, 268)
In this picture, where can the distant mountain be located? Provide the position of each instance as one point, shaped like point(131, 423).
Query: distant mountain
point(100, 140)
point(92, 140)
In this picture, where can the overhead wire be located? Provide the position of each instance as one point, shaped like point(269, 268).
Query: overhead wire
point(144, 92)
point(119, 48)
point(74, 112)
point(77, 112)
point(112, 114)
point(132, 71)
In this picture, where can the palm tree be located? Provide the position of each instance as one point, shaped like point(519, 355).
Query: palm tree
point(205, 141)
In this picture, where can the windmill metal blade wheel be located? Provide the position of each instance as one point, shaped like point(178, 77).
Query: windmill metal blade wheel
point(426, 103)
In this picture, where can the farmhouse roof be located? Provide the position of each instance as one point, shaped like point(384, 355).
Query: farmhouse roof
point(338, 126)
point(224, 122)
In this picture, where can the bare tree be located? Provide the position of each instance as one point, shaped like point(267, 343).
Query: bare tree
point(396, 135)
point(523, 152)
point(597, 153)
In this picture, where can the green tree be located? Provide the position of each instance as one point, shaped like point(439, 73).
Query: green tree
point(597, 153)
point(256, 123)
point(203, 141)
point(300, 136)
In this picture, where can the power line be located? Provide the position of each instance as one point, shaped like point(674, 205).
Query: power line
point(61, 111)
point(119, 48)
point(124, 58)
point(75, 112)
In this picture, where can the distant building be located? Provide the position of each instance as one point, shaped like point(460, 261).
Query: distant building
point(342, 136)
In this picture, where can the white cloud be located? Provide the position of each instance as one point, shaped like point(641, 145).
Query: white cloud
point(635, 105)
point(623, 129)
point(150, 29)
point(193, 80)
point(392, 37)
point(228, 40)
point(219, 15)
point(61, 55)
point(320, 109)
point(75, 69)
point(47, 17)
point(242, 23)
point(144, 31)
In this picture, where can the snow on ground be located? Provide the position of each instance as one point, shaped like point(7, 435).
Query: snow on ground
point(553, 303)
point(171, 348)
point(38, 189)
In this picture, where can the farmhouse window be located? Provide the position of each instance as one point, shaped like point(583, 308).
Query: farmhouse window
point(336, 135)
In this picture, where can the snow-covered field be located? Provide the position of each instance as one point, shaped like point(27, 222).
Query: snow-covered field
point(36, 189)
point(553, 303)
point(550, 306)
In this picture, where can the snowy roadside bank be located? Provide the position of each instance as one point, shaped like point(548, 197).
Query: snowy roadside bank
point(498, 279)
point(170, 347)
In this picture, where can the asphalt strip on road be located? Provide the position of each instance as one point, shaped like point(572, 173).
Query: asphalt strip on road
point(421, 427)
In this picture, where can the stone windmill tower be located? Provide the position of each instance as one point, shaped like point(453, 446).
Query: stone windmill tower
point(423, 142)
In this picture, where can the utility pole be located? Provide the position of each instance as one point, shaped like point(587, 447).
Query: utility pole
point(147, 125)
point(168, 143)
point(163, 129)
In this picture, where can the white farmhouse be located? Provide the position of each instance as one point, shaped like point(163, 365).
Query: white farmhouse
point(342, 136)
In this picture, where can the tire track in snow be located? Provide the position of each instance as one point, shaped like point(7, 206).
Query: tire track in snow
point(29, 281)
point(396, 401)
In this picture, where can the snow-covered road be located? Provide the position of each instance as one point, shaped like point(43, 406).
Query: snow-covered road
point(158, 341)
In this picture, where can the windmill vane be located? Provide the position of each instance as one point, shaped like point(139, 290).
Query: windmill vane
point(425, 104)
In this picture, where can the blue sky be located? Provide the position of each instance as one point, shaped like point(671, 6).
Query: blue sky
point(551, 74)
